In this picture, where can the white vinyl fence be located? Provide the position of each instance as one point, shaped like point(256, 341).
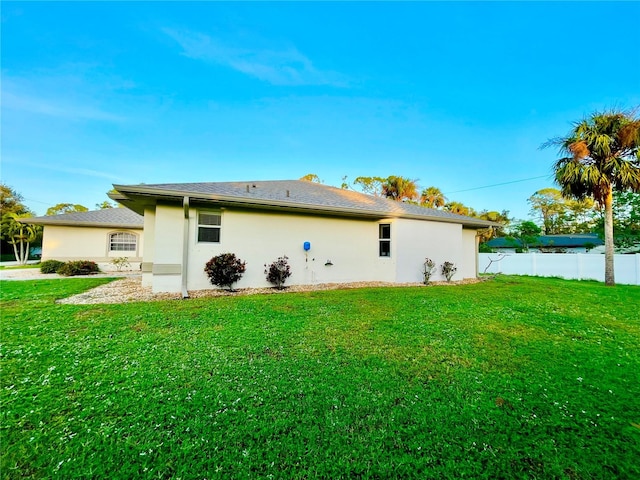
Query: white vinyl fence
point(579, 266)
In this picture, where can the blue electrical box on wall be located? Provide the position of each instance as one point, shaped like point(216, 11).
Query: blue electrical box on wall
point(306, 246)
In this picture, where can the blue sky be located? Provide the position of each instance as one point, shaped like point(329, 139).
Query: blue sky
point(456, 95)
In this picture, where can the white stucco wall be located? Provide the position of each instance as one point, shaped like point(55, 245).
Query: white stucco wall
point(168, 244)
point(66, 243)
point(468, 268)
point(260, 238)
point(149, 250)
point(416, 240)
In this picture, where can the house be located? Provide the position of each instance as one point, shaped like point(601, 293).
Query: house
point(99, 236)
point(330, 235)
point(573, 243)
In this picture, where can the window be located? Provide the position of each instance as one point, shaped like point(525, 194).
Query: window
point(384, 237)
point(209, 227)
point(122, 242)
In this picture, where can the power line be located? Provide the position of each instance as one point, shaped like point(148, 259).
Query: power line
point(36, 201)
point(498, 184)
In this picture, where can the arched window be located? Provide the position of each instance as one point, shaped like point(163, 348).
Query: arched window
point(122, 242)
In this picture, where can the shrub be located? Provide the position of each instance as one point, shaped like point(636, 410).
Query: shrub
point(121, 262)
point(448, 270)
point(484, 248)
point(225, 269)
point(428, 267)
point(50, 266)
point(78, 267)
point(278, 272)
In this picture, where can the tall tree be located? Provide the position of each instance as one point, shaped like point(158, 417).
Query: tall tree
point(493, 216)
point(581, 216)
point(370, 185)
point(558, 214)
point(550, 207)
point(11, 201)
point(599, 155)
point(432, 197)
point(311, 177)
point(105, 205)
point(66, 208)
point(400, 189)
point(18, 234)
point(459, 209)
point(527, 233)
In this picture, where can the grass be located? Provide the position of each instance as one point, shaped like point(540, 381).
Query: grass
point(513, 378)
point(19, 267)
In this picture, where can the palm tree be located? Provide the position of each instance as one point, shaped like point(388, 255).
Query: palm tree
point(459, 209)
point(432, 197)
point(400, 189)
point(18, 234)
point(599, 155)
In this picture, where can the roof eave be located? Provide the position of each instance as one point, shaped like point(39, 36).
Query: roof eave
point(71, 223)
point(136, 198)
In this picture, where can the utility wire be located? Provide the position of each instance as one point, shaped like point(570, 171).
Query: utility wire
point(498, 184)
point(36, 201)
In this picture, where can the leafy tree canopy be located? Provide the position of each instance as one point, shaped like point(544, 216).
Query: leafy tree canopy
point(370, 185)
point(18, 234)
point(459, 209)
point(494, 216)
point(626, 222)
point(311, 177)
point(400, 189)
point(432, 197)
point(104, 205)
point(527, 232)
point(558, 214)
point(11, 201)
point(66, 208)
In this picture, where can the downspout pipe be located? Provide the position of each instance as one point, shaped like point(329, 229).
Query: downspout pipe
point(185, 247)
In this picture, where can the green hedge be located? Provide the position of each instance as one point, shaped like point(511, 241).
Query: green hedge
point(78, 267)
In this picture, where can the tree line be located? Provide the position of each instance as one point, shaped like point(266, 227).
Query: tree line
point(404, 189)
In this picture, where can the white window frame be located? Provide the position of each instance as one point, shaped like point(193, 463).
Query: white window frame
point(123, 239)
point(218, 227)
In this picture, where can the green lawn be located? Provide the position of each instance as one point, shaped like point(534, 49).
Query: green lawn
point(512, 378)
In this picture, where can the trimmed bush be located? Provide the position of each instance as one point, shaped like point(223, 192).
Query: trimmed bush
point(50, 266)
point(78, 267)
point(225, 269)
point(428, 267)
point(448, 270)
point(278, 272)
point(120, 263)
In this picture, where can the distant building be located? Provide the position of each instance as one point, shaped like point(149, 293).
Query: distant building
point(571, 243)
point(98, 235)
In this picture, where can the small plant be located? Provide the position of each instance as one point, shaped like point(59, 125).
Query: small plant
point(50, 266)
point(278, 272)
point(428, 267)
point(225, 269)
point(448, 270)
point(120, 263)
point(78, 267)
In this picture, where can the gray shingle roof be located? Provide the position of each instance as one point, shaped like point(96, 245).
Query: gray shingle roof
point(290, 195)
point(108, 218)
